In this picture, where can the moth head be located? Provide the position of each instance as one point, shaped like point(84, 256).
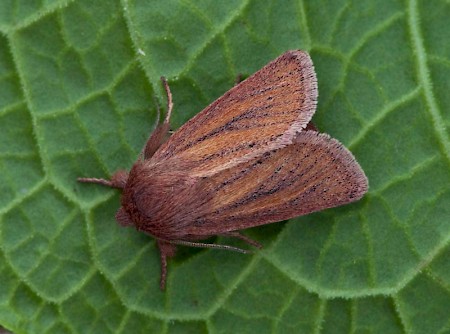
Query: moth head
point(132, 211)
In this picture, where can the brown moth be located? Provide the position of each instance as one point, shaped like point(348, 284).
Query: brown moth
point(252, 157)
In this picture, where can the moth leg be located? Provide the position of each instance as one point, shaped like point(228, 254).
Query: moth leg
point(159, 136)
point(248, 240)
point(206, 245)
point(118, 180)
point(310, 126)
point(238, 79)
point(165, 250)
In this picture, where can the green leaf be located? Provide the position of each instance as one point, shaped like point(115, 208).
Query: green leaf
point(77, 81)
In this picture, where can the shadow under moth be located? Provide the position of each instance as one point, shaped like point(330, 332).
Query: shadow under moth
point(251, 157)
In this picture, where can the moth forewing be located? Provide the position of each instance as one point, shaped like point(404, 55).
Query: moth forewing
point(315, 172)
point(261, 113)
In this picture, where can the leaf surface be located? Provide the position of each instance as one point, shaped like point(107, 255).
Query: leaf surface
point(76, 85)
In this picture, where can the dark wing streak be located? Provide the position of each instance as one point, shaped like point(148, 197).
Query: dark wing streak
point(323, 174)
point(242, 146)
point(274, 184)
point(238, 123)
point(264, 191)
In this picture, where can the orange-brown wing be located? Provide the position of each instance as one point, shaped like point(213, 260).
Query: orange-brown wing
point(260, 114)
point(315, 172)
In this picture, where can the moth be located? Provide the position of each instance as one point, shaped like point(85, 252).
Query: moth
point(251, 157)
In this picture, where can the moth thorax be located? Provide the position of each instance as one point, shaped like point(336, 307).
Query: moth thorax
point(153, 199)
